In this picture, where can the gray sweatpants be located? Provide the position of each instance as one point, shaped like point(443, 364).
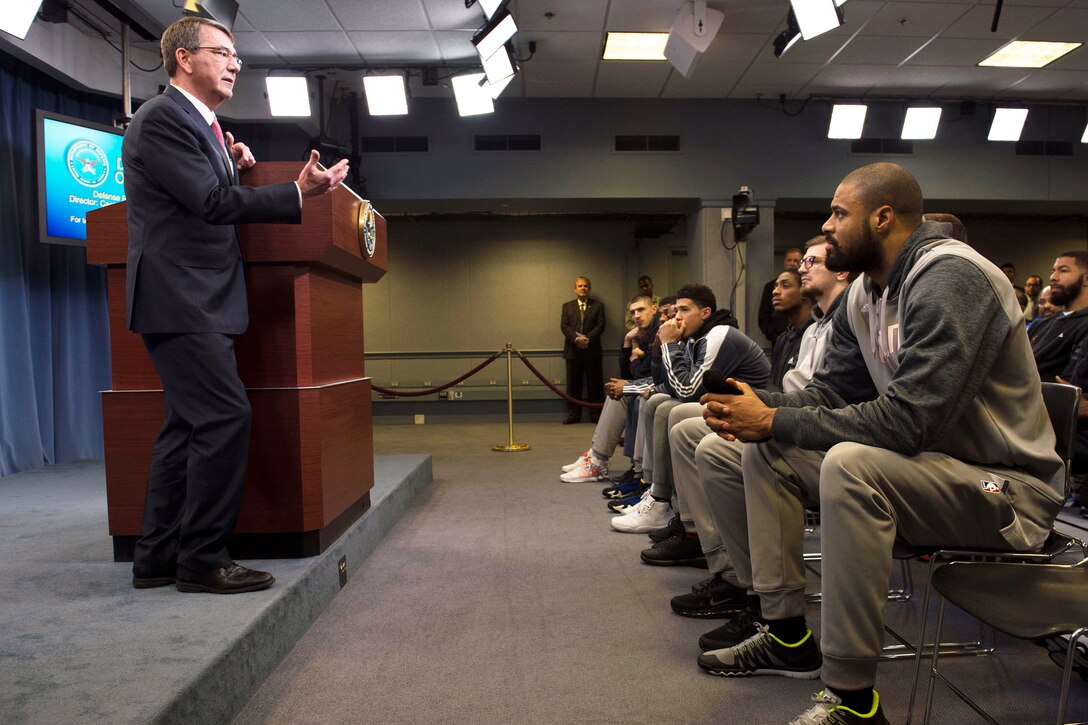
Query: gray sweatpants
point(703, 466)
point(867, 496)
point(653, 425)
point(609, 430)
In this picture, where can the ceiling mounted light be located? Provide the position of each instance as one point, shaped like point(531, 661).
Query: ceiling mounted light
point(1028, 54)
point(816, 17)
point(1008, 124)
point(1084, 136)
point(847, 120)
point(490, 7)
point(788, 37)
point(472, 98)
point(499, 70)
point(921, 123)
point(288, 95)
point(692, 32)
point(494, 35)
point(224, 12)
point(18, 16)
point(385, 95)
point(635, 46)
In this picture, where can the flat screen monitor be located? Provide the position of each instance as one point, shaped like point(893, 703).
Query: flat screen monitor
point(79, 169)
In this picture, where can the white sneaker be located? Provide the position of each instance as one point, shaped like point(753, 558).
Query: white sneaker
point(571, 466)
point(587, 470)
point(647, 515)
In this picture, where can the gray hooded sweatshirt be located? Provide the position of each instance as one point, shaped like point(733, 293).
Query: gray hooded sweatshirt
point(909, 371)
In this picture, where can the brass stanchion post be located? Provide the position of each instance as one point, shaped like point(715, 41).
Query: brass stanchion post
point(510, 446)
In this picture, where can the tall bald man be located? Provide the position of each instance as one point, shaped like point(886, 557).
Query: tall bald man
point(927, 424)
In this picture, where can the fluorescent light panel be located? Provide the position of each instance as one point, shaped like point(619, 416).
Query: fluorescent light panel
point(385, 95)
point(921, 123)
point(815, 17)
point(1008, 124)
point(472, 99)
point(288, 95)
point(1084, 136)
point(490, 43)
point(1028, 54)
point(635, 46)
point(847, 120)
point(17, 17)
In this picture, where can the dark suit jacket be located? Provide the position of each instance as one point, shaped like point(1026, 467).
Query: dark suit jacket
point(185, 269)
point(593, 328)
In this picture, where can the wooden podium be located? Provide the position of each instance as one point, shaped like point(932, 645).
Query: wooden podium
point(311, 457)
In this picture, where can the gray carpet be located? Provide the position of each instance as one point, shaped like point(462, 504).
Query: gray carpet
point(503, 597)
point(79, 645)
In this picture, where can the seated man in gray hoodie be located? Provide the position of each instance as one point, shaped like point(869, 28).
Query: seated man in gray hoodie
point(924, 425)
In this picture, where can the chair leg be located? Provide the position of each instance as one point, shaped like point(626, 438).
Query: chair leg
point(1067, 674)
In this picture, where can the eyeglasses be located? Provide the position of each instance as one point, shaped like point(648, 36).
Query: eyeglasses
point(225, 54)
point(810, 260)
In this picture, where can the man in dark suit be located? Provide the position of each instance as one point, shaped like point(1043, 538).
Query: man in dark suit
point(582, 323)
point(186, 296)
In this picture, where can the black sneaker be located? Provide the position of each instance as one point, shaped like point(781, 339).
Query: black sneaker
point(716, 600)
point(619, 490)
point(617, 505)
point(671, 529)
point(829, 710)
point(629, 475)
point(765, 654)
point(677, 551)
point(736, 630)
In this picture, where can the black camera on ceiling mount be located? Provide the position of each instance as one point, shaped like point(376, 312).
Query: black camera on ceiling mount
point(745, 214)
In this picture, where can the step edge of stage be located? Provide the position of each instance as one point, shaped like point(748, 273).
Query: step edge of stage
point(222, 688)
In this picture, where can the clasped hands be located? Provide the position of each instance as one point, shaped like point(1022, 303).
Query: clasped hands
point(738, 417)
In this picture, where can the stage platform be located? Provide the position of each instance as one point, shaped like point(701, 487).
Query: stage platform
point(78, 644)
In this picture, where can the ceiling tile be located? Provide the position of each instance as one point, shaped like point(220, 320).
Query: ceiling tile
point(456, 46)
point(769, 93)
point(383, 14)
point(546, 76)
point(753, 16)
point(776, 74)
point(566, 45)
point(1015, 19)
point(1067, 24)
point(919, 80)
point(985, 81)
point(846, 79)
point(955, 52)
point(733, 48)
point(314, 46)
point(297, 15)
point(916, 19)
point(530, 15)
point(879, 50)
point(639, 16)
point(446, 15)
point(712, 79)
point(396, 46)
point(252, 47)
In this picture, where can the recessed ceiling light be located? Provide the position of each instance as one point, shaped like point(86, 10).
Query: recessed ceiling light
point(921, 123)
point(635, 46)
point(1028, 54)
point(1008, 124)
point(847, 120)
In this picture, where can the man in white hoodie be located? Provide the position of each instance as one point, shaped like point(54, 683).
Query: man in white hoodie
point(924, 425)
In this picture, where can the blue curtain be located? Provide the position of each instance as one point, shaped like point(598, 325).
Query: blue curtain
point(54, 331)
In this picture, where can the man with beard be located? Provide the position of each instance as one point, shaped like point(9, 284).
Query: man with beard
point(909, 431)
point(1054, 341)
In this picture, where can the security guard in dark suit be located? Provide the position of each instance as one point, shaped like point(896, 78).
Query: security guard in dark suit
point(582, 323)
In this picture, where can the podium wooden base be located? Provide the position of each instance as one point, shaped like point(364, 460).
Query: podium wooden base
point(311, 466)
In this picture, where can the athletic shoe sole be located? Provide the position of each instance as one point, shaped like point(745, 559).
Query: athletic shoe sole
point(792, 674)
point(699, 562)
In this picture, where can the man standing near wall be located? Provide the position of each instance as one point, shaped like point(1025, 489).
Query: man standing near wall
point(582, 323)
point(771, 323)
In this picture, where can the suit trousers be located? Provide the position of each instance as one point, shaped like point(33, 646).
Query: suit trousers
point(867, 496)
point(198, 461)
point(586, 368)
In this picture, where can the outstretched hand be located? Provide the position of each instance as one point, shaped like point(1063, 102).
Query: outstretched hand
point(315, 180)
point(738, 417)
point(243, 157)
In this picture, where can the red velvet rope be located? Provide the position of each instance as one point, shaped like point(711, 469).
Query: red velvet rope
point(439, 389)
point(554, 389)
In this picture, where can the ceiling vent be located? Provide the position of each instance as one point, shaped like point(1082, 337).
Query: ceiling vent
point(394, 144)
point(507, 142)
point(635, 144)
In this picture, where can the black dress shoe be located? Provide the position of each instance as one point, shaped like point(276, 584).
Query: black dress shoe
point(230, 579)
point(149, 577)
point(572, 419)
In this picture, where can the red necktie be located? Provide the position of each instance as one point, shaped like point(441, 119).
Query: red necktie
point(218, 130)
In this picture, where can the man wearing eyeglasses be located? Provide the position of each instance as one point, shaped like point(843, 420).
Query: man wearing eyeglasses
point(186, 296)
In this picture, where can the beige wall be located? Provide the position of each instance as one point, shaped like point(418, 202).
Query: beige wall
point(476, 284)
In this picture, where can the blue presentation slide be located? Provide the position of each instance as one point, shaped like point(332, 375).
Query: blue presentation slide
point(83, 171)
